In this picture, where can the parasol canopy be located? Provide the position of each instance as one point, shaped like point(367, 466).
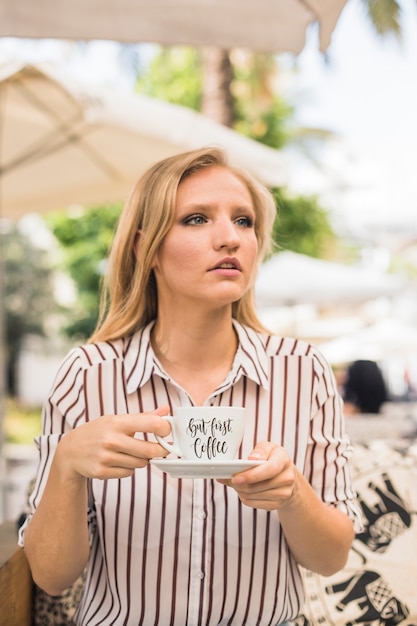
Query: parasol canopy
point(288, 279)
point(267, 25)
point(63, 143)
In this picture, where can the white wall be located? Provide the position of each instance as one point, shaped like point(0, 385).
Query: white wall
point(37, 367)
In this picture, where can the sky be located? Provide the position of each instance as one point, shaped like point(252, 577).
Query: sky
point(364, 91)
point(367, 94)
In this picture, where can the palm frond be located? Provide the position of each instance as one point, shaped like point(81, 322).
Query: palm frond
point(385, 17)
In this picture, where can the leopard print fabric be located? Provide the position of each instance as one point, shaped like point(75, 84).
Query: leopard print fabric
point(56, 610)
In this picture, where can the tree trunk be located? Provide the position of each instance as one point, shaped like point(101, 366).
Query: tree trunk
point(217, 101)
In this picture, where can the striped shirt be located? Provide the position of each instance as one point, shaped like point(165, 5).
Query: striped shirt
point(187, 552)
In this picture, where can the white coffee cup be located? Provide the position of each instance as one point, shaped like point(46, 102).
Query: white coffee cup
point(205, 433)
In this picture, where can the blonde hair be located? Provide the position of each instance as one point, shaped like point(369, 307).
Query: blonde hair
point(129, 296)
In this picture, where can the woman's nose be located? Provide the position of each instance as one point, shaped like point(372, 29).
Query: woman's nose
point(226, 235)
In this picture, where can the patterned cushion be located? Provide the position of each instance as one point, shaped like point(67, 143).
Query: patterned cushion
point(378, 585)
point(56, 610)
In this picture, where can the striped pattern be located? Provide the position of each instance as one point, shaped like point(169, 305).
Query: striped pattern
point(187, 552)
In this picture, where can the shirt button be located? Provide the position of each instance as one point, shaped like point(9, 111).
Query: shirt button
point(200, 575)
point(201, 515)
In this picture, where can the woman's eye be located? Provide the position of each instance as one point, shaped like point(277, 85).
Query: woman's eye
point(246, 222)
point(195, 220)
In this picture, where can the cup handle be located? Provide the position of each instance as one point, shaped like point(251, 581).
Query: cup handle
point(170, 447)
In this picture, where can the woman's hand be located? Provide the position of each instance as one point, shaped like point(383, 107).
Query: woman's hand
point(268, 486)
point(318, 535)
point(107, 447)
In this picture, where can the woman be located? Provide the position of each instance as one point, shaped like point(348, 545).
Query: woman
point(179, 328)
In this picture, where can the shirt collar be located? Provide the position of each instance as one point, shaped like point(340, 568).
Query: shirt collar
point(251, 358)
point(139, 358)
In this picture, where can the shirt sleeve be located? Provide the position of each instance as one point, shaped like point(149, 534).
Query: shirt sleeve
point(329, 448)
point(64, 409)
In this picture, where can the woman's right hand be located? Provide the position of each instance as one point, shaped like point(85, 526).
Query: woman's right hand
point(107, 447)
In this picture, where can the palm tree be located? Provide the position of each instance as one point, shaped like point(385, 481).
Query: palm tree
point(217, 101)
point(232, 87)
point(384, 16)
point(219, 68)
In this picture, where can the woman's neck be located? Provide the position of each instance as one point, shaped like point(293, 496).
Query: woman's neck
point(198, 353)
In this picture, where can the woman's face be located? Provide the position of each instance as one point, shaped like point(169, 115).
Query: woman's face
point(209, 254)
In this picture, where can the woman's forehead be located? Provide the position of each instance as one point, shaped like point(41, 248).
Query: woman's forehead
point(213, 182)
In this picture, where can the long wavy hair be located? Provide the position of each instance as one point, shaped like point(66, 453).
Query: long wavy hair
point(129, 298)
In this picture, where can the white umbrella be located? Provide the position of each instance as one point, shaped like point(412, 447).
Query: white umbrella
point(62, 142)
point(288, 279)
point(269, 25)
point(384, 339)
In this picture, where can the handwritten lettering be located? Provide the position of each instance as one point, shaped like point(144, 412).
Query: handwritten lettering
point(209, 436)
point(213, 427)
point(210, 448)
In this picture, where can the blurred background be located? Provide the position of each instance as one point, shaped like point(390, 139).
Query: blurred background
point(332, 132)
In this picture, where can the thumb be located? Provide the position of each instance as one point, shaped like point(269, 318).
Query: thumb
point(163, 428)
point(261, 451)
point(162, 410)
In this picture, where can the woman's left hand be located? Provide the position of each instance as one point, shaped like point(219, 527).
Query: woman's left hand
point(268, 486)
point(319, 536)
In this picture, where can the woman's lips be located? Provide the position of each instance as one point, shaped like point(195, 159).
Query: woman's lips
point(228, 264)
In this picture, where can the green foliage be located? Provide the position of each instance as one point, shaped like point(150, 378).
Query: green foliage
point(302, 225)
point(260, 112)
point(267, 126)
point(174, 75)
point(28, 291)
point(85, 239)
point(385, 17)
point(21, 424)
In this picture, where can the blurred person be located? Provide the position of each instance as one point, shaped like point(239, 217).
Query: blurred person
point(178, 327)
point(364, 388)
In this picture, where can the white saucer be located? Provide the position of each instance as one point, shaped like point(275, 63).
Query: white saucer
point(181, 468)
